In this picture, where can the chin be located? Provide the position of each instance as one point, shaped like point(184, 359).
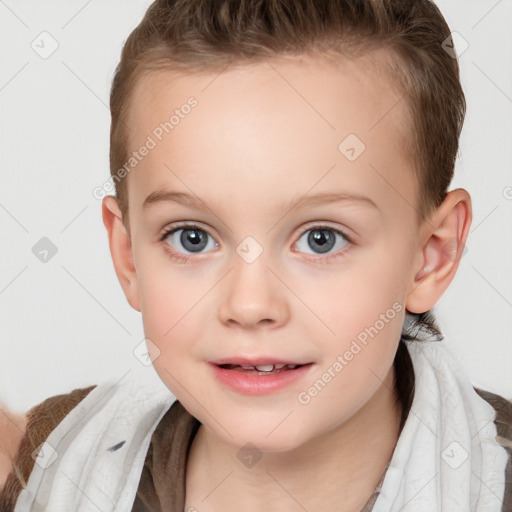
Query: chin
point(246, 437)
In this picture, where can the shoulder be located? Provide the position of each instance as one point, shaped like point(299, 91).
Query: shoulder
point(503, 419)
point(101, 442)
point(23, 434)
point(503, 422)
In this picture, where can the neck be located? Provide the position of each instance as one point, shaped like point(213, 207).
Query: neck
point(350, 458)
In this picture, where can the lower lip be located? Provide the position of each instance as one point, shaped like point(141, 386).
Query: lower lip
point(254, 384)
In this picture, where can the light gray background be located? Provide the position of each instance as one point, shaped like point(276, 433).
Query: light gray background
point(66, 323)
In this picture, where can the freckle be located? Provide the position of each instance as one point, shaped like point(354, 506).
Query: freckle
point(116, 446)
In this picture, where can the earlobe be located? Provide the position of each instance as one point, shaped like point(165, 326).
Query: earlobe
point(121, 250)
point(446, 234)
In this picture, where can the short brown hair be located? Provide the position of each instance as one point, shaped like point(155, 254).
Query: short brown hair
point(210, 34)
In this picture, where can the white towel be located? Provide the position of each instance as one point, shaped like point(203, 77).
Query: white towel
point(446, 460)
point(78, 468)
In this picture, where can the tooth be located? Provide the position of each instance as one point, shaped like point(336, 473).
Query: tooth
point(265, 368)
point(292, 366)
point(250, 367)
point(279, 366)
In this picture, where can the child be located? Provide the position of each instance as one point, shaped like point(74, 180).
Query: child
point(282, 221)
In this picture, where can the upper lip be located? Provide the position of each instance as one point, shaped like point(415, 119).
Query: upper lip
point(255, 361)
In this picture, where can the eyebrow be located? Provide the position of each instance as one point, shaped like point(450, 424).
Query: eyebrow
point(183, 198)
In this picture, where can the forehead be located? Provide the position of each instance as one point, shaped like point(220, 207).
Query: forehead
point(282, 123)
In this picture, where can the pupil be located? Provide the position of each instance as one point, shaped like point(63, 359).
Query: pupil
point(193, 239)
point(322, 238)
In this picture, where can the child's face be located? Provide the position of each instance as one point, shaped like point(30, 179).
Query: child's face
point(259, 138)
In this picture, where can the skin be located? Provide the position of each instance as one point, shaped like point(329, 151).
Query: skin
point(12, 430)
point(262, 135)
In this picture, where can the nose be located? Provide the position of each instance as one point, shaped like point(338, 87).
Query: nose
point(253, 296)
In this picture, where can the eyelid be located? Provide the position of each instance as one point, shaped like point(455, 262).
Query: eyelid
point(184, 225)
point(325, 225)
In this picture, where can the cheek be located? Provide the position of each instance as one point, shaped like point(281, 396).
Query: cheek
point(362, 311)
point(168, 292)
point(354, 298)
point(375, 314)
point(381, 276)
point(355, 364)
point(172, 320)
point(172, 309)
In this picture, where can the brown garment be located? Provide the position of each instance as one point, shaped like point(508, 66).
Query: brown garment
point(41, 420)
point(162, 482)
point(503, 422)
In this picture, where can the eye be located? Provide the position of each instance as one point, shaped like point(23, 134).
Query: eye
point(192, 238)
point(321, 240)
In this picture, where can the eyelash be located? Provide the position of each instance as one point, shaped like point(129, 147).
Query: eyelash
point(182, 258)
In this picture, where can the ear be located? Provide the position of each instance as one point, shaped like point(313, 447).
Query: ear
point(444, 240)
point(121, 250)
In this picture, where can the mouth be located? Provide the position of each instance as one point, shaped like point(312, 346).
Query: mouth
point(261, 377)
point(262, 369)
